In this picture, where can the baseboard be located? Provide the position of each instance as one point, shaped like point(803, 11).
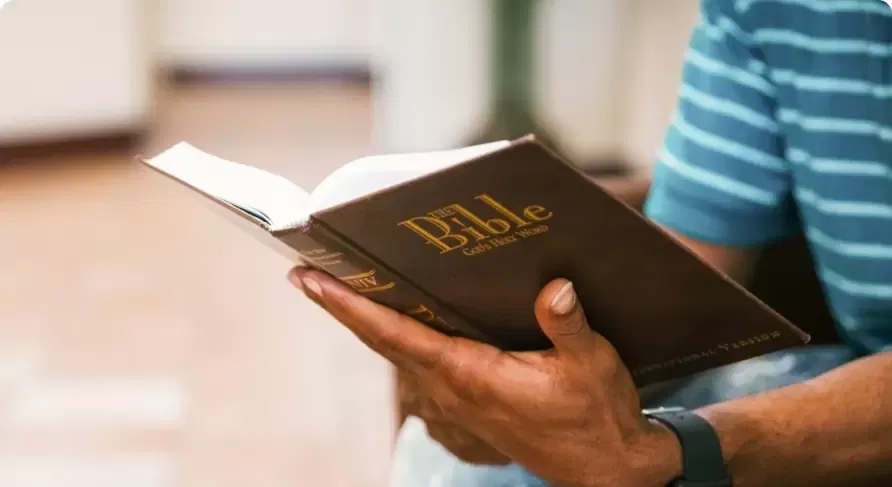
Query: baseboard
point(309, 73)
point(122, 140)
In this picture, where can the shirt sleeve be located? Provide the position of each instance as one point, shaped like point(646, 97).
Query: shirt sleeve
point(720, 176)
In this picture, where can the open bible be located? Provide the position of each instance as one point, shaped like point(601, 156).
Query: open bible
point(464, 240)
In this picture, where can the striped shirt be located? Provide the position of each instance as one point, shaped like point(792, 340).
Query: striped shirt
point(784, 125)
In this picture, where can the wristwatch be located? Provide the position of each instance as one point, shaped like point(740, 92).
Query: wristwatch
point(701, 452)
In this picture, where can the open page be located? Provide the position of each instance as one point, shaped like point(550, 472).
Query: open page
point(276, 203)
point(269, 199)
point(367, 175)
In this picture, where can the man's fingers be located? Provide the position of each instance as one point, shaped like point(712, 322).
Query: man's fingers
point(561, 317)
point(457, 364)
point(398, 338)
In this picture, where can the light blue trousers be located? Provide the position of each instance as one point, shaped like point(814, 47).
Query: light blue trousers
point(419, 461)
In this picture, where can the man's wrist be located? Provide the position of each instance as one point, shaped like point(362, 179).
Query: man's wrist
point(668, 465)
point(657, 461)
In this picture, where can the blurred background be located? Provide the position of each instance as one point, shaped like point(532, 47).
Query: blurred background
point(145, 342)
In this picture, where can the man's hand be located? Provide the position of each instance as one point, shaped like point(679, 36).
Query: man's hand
point(570, 415)
point(464, 445)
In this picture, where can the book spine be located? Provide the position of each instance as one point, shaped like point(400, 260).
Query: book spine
point(325, 250)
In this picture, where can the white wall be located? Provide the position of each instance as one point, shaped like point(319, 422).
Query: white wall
point(431, 54)
point(580, 56)
point(654, 38)
point(433, 68)
point(609, 68)
point(244, 33)
point(432, 87)
point(69, 67)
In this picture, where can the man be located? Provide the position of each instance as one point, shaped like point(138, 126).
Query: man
point(784, 116)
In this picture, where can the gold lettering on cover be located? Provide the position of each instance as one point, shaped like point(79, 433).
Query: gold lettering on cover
point(710, 352)
point(501, 209)
point(323, 257)
point(459, 227)
point(529, 232)
point(367, 282)
point(446, 241)
point(424, 314)
point(443, 212)
point(473, 232)
point(535, 213)
point(495, 226)
point(764, 337)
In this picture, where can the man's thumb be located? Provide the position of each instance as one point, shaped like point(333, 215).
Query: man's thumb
point(561, 317)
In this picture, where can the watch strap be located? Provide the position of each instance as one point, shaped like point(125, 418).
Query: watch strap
point(702, 462)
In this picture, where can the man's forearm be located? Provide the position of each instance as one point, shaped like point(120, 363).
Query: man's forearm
point(834, 430)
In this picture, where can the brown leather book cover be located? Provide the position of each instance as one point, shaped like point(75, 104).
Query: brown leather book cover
point(467, 249)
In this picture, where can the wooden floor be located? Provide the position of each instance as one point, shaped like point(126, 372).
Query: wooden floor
point(145, 342)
